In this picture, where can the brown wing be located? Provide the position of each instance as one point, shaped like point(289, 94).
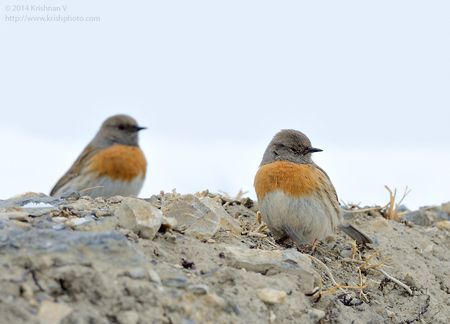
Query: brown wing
point(75, 169)
point(348, 229)
point(330, 191)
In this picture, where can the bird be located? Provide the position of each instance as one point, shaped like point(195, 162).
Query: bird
point(112, 164)
point(296, 197)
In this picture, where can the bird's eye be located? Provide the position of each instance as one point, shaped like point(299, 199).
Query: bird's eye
point(121, 127)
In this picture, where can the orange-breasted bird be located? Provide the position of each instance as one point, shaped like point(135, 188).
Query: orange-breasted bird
point(296, 197)
point(111, 164)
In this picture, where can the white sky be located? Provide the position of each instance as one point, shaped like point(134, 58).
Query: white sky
point(214, 80)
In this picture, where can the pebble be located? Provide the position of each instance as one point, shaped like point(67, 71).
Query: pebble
point(193, 217)
point(316, 314)
point(137, 273)
point(128, 317)
point(53, 313)
point(271, 296)
point(175, 282)
point(198, 289)
point(443, 225)
point(273, 262)
point(139, 216)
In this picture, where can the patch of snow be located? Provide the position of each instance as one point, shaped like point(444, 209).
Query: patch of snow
point(33, 204)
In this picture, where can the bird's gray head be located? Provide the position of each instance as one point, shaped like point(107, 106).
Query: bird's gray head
point(289, 145)
point(118, 129)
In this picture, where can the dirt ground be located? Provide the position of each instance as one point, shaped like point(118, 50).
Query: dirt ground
point(95, 261)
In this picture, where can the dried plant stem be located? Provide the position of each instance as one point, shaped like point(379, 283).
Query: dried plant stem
point(328, 271)
point(364, 210)
point(398, 282)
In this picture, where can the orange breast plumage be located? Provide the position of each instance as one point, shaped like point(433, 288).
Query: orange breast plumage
point(119, 162)
point(291, 178)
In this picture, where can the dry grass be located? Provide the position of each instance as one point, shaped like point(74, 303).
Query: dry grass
point(389, 211)
point(365, 265)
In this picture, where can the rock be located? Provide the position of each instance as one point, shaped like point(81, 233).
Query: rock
point(53, 313)
point(410, 280)
point(110, 248)
point(16, 215)
point(193, 217)
point(216, 301)
point(443, 225)
point(128, 317)
point(272, 262)
point(271, 296)
point(227, 222)
point(426, 216)
point(154, 276)
point(446, 207)
point(139, 216)
point(106, 224)
point(137, 273)
point(175, 282)
point(168, 222)
point(199, 289)
point(316, 315)
point(79, 221)
point(30, 199)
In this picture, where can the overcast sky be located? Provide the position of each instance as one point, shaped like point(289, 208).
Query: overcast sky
point(213, 81)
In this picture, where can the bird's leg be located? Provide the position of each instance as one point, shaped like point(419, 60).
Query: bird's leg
point(314, 245)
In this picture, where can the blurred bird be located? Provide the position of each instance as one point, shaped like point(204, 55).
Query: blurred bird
point(111, 164)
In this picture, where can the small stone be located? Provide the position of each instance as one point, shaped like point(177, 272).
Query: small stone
point(272, 317)
point(316, 314)
point(17, 215)
point(272, 262)
point(390, 314)
point(128, 317)
point(227, 222)
point(446, 207)
point(443, 225)
point(154, 276)
point(140, 217)
point(175, 282)
point(193, 217)
point(410, 281)
point(216, 301)
point(271, 296)
point(426, 216)
point(137, 273)
point(53, 313)
point(168, 222)
point(199, 289)
point(74, 222)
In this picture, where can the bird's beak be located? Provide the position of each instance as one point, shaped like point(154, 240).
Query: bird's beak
point(139, 128)
point(314, 150)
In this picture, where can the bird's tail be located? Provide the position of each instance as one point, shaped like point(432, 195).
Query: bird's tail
point(355, 234)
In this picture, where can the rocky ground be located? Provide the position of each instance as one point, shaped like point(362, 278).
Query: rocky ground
point(207, 258)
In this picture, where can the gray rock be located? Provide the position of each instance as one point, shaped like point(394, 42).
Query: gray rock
point(227, 222)
point(111, 248)
point(193, 217)
point(175, 282)
point(53, 313)
point(38, 200)
point(426, 216)
point(198, 289)
point(271, 296)
point(272, 262)
point(139, 216)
